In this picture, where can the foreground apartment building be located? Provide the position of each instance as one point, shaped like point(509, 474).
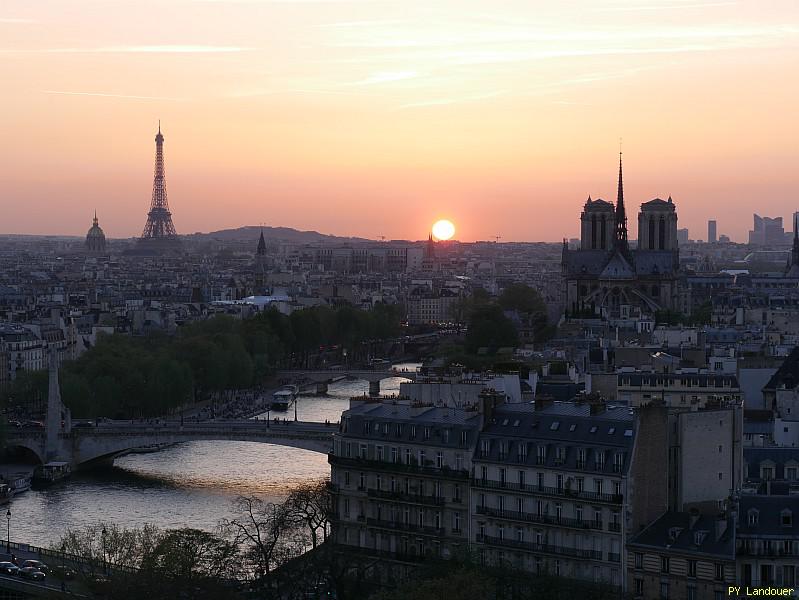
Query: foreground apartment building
point(638, 498)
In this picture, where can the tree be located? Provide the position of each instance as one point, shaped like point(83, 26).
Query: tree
point(490, 328)
point(311, 505)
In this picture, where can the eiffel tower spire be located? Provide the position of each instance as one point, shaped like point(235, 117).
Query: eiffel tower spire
point(159, 226)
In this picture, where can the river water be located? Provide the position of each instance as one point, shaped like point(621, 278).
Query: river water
point(193, 484)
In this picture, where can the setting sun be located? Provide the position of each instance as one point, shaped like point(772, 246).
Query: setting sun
point(443, 229)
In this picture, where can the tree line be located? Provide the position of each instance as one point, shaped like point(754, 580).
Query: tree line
point(283, 551)
point(125, 376)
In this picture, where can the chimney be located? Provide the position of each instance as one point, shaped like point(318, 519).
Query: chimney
point(543, 402)
point(597, 407)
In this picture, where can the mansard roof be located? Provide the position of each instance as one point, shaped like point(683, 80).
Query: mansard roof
point(769, 510)
point(787, 376)
point(673, 532)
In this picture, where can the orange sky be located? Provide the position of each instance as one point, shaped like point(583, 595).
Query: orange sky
point(376, 118)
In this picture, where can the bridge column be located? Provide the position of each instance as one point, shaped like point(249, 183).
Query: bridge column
point(321, 387)
point(374, 388)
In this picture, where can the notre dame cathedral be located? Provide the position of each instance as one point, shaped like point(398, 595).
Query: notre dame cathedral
point(606, 277)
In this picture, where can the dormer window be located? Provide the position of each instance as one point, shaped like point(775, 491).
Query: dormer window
point(413, 431)
point(699, 537)
point(786, 518)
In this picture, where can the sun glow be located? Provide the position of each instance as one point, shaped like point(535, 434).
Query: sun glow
point(443, 229)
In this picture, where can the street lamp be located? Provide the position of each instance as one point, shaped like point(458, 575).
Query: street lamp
point(104, 532)
point(8, 532)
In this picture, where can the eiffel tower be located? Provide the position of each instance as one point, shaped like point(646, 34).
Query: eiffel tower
point(159, 233)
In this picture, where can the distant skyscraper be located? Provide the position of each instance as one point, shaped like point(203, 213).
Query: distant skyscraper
point(767, 231)
point(711, 232)
point(159, 232)
point(682, 236)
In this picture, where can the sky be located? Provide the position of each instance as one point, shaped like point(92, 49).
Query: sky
point(376, 118)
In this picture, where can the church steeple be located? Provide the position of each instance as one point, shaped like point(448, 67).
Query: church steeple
point(621, 215)
point(261, 250)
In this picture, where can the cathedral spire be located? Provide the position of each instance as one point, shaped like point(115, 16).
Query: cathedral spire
point(621, 216)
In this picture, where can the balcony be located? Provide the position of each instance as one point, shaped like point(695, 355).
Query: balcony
point(407, 527)
point(412, 468)
point(614, 557)
point(403, 497)
point(513, 515)
point(614, 526)
point(539, 548)
point(542, 490)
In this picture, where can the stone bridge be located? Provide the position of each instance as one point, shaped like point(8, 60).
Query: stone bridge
point(85, 445)
point(323, 377)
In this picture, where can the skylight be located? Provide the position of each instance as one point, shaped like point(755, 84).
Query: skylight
point(554, 426)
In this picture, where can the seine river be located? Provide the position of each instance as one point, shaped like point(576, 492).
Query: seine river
point(191, 484)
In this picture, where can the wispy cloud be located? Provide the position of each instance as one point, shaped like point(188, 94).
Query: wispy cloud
point(386, 77)
point(453, 100)
point(104, 95)
point(674, 6)
point(166, 49)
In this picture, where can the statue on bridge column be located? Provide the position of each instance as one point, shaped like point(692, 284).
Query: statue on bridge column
point(58, 418)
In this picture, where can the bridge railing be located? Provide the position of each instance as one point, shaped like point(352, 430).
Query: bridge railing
point(64, 556)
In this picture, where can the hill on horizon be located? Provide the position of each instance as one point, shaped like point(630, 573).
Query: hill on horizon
point(287, 234)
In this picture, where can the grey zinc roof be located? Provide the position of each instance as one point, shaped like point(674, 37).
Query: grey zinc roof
point(769, 516)
point(391, 415)
point(779, 456)
point(672, 532)
point(567, 425)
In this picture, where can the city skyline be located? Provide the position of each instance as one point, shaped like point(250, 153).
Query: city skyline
point(379, 119)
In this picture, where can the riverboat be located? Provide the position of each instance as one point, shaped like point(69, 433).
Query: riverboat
point(283, 398)
point(51, 472)
point(19, 483)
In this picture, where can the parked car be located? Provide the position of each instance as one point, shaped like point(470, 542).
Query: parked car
point(8, 568)
point(32, 573)
point(36, 564)
point(63, 572)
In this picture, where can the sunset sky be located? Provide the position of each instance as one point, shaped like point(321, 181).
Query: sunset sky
point(376, 118)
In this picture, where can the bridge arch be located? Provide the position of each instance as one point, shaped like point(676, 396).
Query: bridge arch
point(28, 452)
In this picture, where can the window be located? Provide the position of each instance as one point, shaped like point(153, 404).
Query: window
point(439, 460)
point(463, 438)
point(600, 460)
point(752, 517)
point(719, 572)
point(555, 425)
point(580, 483)
point(379, 455)
point(456, 521)
point(639, 560)
point(522, 452)
point(691, 568)
point(560, 454)
point(427, 433)
point(362, 482)
point(395, 455)
point(413, 431)
point(664, 564)
point(786, 518)
point(421, 458)
point(639, 587)
point(407, 456)
point(483, 472)
point(691, 589)
point(581, 458)
point(618, 462)
point(347, 478)
point(542, 455)
point(598, 486)
point(362, 451)
point(559, 482)
point(664, 591)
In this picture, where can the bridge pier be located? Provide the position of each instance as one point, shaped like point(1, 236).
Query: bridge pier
point(374, 388)
point(321, 387)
